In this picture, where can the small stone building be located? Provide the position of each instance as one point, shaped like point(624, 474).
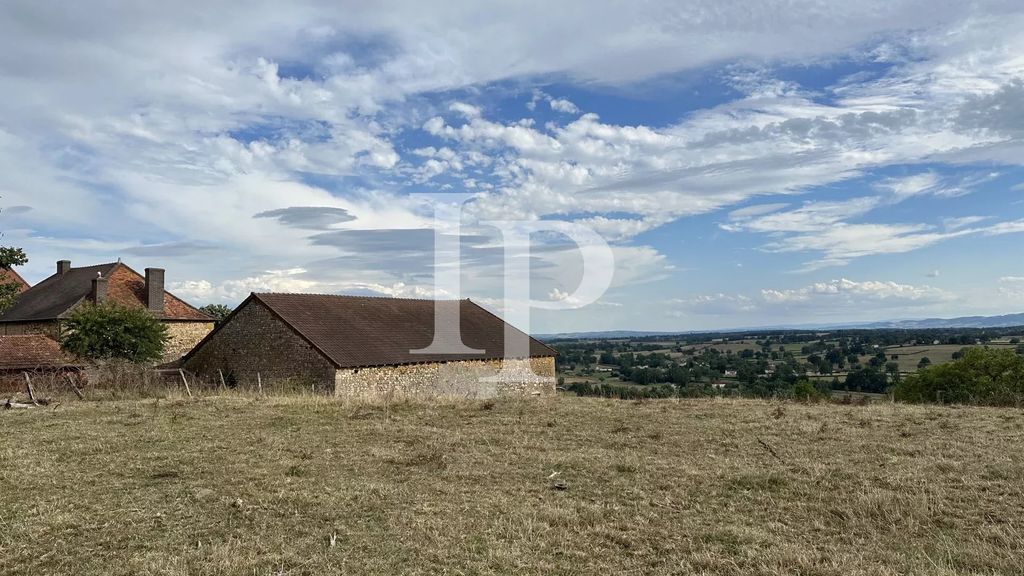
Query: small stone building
point(42, 308)
point(36, 355)
point(356, 346)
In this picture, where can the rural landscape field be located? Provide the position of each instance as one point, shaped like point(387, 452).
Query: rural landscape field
point(317, 287)
point(303, 485)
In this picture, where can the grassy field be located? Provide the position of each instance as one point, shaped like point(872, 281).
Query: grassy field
point(236, 485)
point(909, 356)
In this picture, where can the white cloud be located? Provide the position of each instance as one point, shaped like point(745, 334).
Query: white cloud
point(564, 106)
point(924, 183)
point(244, 110)
point(856, 291)
point(959, 222)
point(1012, 287)
point(819, 299)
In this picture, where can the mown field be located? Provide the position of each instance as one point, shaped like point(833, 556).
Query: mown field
point(246, 485)
point(909, 356)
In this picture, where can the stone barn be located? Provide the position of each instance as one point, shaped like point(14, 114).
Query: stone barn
point(42, 308)
point(362, 347)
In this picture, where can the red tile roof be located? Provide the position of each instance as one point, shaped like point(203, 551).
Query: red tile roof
point(10, 276)
point(33, 352)
point(59, 294)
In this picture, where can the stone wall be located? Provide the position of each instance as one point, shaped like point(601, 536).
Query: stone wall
point(473, 379)
point(184, 337)
point(51, 329)
point(255, 342)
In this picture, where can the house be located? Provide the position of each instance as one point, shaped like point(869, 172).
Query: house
point(36, 355)
point(356, 346)
point(43, 308)
point(10, 276)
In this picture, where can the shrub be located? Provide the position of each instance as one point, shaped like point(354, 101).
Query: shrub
point(980, 376)
point(806, 391)
point(621, 391)
point(219, 312)
point(109, 331)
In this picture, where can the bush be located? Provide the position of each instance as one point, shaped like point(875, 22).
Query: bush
point(621, 391)
point(109, 331)
point(980, 376)
point(219, 312)
point(806, 391)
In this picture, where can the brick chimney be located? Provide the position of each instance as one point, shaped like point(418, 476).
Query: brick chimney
point(99, 290)
point(155, 290)
point(63, 266)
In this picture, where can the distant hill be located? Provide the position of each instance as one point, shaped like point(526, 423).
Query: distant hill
point(1004, 321)
point(603, 335)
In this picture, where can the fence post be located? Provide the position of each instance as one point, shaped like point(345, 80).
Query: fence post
point(185, 380)
point(67, 378)
point(31, 392)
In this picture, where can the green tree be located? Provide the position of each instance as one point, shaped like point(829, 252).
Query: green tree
point(893, 370)
point(924, 363)
point(9, 258)
point(218, 311)
point(980, 376)
point(110, 331)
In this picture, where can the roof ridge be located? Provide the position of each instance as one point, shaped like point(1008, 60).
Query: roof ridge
point(357, 296)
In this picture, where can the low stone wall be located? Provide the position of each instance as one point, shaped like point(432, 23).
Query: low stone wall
point(51, 329)
point(183, 337)
point(473, 379)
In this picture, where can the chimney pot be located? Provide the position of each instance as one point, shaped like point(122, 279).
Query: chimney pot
point(155, 290)
point(63, 266)
point(99, 290)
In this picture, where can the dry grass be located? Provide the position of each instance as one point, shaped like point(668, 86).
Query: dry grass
point(242, 485)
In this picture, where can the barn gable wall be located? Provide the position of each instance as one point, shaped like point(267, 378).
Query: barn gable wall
point(255, 341)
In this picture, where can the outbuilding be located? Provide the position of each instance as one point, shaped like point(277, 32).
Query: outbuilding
point(357, 346)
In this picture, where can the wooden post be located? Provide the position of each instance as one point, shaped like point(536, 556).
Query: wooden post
point(259, 382)
point(223, 386)
point(31, 392)
point(185, 380)
point(67, 378)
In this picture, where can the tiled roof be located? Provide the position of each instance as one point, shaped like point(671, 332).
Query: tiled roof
point(33, 352)
point(357, 331)
point(10, 276)
point(56, 296)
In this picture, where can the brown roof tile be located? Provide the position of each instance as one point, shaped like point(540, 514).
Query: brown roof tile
point(33, 352)
point(359, 331)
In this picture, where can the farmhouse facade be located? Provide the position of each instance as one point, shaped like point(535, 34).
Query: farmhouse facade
point(365, 347)
point(11, 276)
point(43, 308)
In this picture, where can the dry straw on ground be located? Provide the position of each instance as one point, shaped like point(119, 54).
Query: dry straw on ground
point(247, 485)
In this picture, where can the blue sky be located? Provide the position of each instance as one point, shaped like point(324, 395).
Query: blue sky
point(801, 162)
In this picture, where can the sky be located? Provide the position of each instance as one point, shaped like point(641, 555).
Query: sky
point(749, 164)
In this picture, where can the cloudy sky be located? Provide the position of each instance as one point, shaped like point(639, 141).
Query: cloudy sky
point(785, 161)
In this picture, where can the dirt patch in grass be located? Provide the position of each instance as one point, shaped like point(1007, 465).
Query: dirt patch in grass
point(561, 486)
